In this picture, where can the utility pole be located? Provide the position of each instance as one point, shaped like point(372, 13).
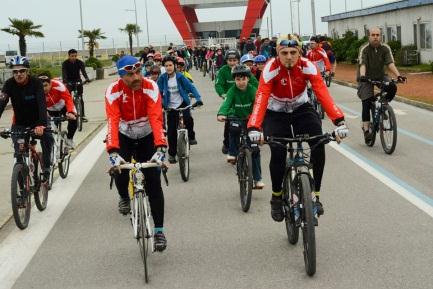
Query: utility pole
point(136, 25)
point(299, 21)
point(330, 7)
point(345, 5)
point(147, 24)
point(291, 17)
point(313, 16)
point(82, 29)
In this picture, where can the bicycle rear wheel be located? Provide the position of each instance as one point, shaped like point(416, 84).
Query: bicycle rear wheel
point(64, 160)
point(245, 177)
point(40, 191)
point(20, 195)
point(388, 129)
point(328, 80)
point(79, 108)
point(183, 155)
point(291, 229)
point(143, 238)
point(308, 229)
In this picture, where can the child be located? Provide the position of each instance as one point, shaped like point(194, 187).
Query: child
point(239, 103)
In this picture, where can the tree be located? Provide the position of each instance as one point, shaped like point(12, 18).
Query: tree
point(131, 29)
point(92, 35)
point(23, 28)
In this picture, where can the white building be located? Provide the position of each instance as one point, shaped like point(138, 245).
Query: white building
point(409, 21)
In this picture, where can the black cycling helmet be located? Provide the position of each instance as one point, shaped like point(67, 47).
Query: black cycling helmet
point(315, 39)
point(169, 58)
point(241, 70)
point(232, 53)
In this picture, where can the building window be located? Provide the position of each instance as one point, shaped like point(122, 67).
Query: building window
point(366, 31)
point(382, 34)
point(393, 33)
point(426, 35)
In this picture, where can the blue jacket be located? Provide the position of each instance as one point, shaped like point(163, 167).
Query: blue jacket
point(184, 85)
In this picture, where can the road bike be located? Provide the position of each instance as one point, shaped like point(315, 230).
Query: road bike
point(140, 214)
point(27, 176)
point(298, 193)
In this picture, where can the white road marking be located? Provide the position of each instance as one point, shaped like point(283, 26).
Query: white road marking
point(399, 111)
point(18, 248)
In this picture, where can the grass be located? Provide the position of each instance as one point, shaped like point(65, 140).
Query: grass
point(416, 68)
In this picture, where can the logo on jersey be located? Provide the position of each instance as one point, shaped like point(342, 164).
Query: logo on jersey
point(284, 81)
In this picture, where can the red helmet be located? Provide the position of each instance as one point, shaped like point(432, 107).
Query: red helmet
point(157, 56)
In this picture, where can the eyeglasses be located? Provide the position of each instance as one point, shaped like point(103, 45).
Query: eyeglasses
point(289, 43)
point(16, 71)
point(131, 67)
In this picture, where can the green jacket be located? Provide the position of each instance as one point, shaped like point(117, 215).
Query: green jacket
point(238, 103)
point(225, 80)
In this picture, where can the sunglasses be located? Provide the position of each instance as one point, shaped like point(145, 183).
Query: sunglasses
point(16, 71)
point(289, 43)
point(131, 68)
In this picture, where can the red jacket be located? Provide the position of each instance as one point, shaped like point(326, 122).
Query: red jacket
point(319, 57)
point(284, 90)
point(135, 114)
point(58, 97)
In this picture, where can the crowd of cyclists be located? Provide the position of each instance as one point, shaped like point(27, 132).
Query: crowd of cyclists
point(264, 82)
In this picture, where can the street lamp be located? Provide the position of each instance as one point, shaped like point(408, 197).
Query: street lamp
point(147, 23)
point(291, 17)
point(81, 19)
point(313, 16)
point(136, 23)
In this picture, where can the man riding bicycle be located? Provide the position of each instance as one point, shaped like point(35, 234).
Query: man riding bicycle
point(373, 57)
point(26, 94)
point(71, 69)
point(318, 55)
point(60, 103)
point(282, 106)
point(134, 114)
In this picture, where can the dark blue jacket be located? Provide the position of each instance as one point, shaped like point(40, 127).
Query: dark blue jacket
point(184, 85)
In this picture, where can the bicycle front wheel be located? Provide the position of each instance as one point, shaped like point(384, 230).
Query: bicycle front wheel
point(64, 160)
point(328, 80)
point(388, 129)
point(40, 192)
point(183, 155)
point(20, 195)
point(245, 176)
point(291, 229)
point(143, 238)
point(78, 106)
point(308, 229)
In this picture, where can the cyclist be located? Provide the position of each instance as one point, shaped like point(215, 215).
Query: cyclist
point(157, 60)
point(146, 69)
point(175, 90)
point(60, 103)
point(181, 68)
point(373, 57)
point(239, 103)
point(259, 61)
point(324, 43)
point(224, 82)
point(318, 56)
point(155, 72)
point(134, 115)
point(26, 94)
point(219, 58)
point(248, 60)
point(71, 69)
point(282, 106)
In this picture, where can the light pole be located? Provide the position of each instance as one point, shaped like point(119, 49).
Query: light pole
point(147, 24)
point(136, 23)
point(291, 17)
point(330, 7)
point(345, 5)
point(81, 18)
point(313, 16)
point(299, 20)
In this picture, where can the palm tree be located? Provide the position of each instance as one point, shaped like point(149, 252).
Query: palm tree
point(23, 28)
point(92, 35)
point(131, 29)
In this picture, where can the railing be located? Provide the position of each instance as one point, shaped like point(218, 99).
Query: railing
point(231, 42)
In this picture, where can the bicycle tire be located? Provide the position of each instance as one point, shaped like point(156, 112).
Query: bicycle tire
point(245, 176)
point(142, 238)
point(204, 68)
point(388, 148)
point(320, 110)
point(308, 228)
point(64, 161)
point(328, 80)
point(41, 193)
point(183, 156)
point(78, 107)
point(20, 187)
point(373, 127)
point(291, 229)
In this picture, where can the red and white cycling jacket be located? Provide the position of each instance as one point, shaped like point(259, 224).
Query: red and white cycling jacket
point(135, 114)
point(319, 57)
point(284, 90)
point(58, 97)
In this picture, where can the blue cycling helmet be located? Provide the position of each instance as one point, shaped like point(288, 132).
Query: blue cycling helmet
point(19, 60)
point(246, 58)
point(260, 59)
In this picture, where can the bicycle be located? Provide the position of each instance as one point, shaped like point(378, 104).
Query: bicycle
point(183, 146)
point(204, 67)
point(78, 102)
point(383, 118)
point(327, 78)
point(140, 214)
point(298, 194)
point(316, 103)
point(244, 163)
point(213, 70)
point(60, 155)
point(26, 177)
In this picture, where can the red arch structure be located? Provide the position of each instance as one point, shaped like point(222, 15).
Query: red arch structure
point(184, 17)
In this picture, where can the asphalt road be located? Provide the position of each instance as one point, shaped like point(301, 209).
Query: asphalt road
point(376, 231)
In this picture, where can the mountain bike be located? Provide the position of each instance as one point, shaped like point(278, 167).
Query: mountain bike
point(61, 154)
point(298, 193)
point(26, 176)
point(213, 70)
point(140, 207)
point(383, 118)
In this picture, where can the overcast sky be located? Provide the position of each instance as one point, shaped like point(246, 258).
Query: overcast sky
point(60, 19)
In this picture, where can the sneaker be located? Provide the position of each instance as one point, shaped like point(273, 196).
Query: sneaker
point(192, 142)
point(85, 119)
point(46, 176)
point(171, 159)
point(124, 206)
point(368, 136)
point(224, 150)
point(231, 159)
point(160, 241)
point(258, 185)
point(277, 212)
point(70, 143)
point(318, 208)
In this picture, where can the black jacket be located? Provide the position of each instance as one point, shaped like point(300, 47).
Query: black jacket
point(71, 71)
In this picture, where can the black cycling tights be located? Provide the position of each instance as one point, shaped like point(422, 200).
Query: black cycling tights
point(142, 150)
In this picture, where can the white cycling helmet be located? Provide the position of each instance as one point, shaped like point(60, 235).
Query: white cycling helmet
point(19, 60)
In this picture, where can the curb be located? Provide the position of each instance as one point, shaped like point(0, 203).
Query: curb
point(416, 103)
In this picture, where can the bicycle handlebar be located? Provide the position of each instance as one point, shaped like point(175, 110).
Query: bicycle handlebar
point(143, 165)
point(323, 138)
point(58, 118)
point(7, 133)
point(386, 82)
point(191, 106)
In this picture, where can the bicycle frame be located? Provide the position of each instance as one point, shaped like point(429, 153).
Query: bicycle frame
point(378, 103)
